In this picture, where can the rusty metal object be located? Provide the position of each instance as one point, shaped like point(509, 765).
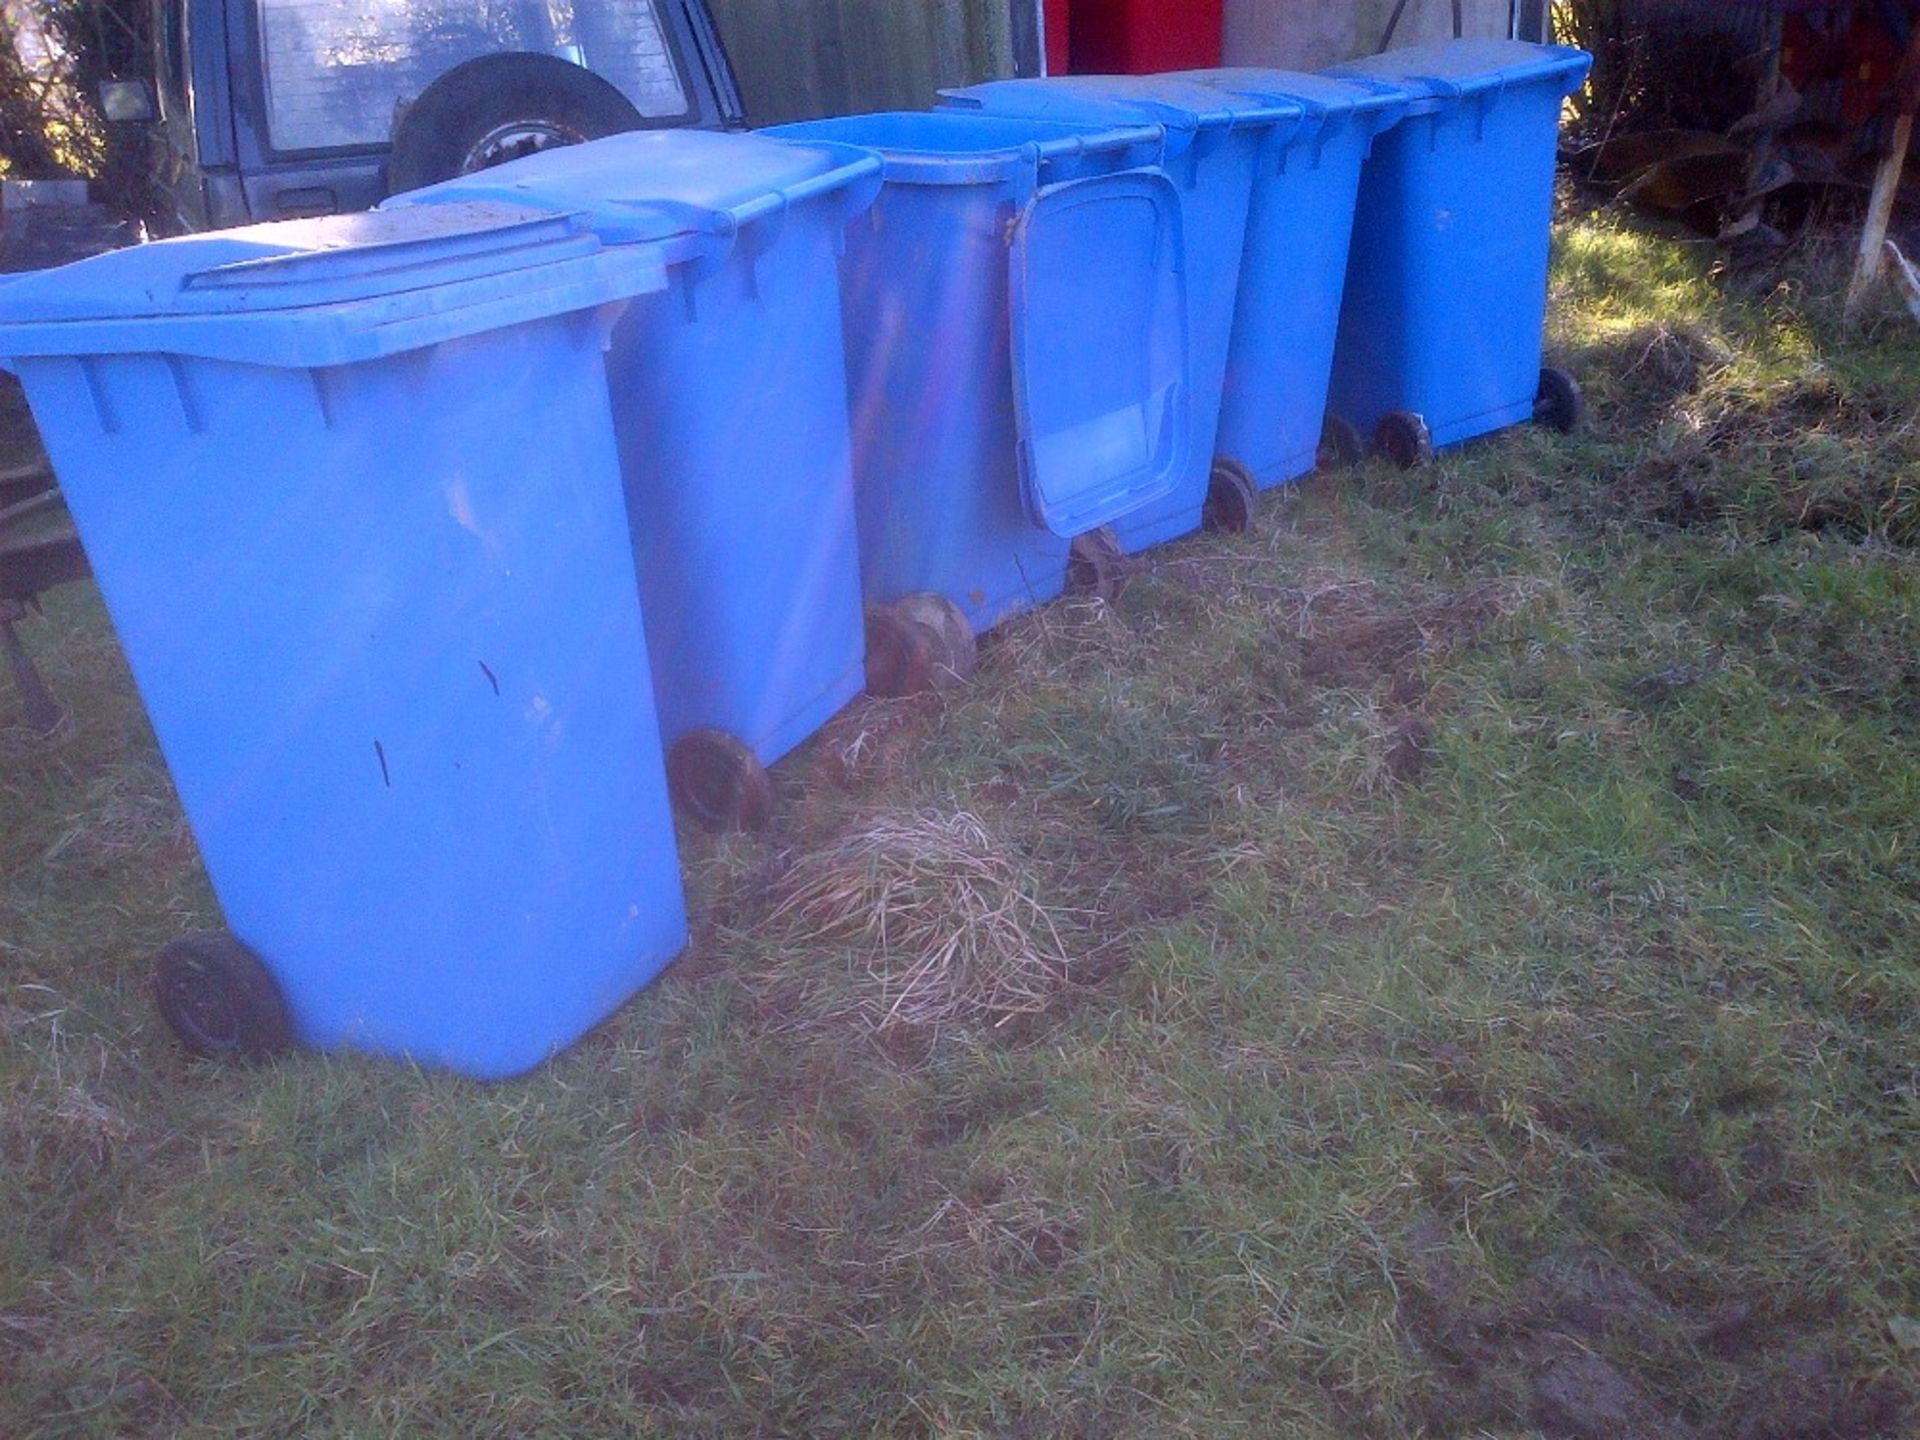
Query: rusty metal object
point(1622, 159)
point(38, 546)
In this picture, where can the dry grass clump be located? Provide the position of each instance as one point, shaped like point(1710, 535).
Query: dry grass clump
point(1641, 374)
point(126, 811)
point(942, 928)
point(1808, 453)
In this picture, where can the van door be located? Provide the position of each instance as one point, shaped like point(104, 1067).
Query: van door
point(318, 83)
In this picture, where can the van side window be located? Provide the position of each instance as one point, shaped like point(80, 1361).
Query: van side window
point(336, 69)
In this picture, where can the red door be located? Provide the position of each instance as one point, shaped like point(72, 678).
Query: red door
point(1144, 37)
point(1055, 13)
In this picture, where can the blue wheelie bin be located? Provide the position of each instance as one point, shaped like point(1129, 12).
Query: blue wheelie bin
point(1214, 142)
point(1017, 359)
point(350, 491)
point(730, 404)
point(1440, 329)
point(1298, 229)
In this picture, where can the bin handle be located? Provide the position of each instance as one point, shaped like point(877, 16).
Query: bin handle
point(1102, 142)
point(616, 274)
point(851, 177)
point(859, 178)
point(1378, 119)
point(1575, 75)
point(1444, 89)
point(1313, 126)
point(1096, 142)
point(398, 258)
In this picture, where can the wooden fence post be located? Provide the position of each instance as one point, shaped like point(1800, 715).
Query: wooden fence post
point(1886, 180)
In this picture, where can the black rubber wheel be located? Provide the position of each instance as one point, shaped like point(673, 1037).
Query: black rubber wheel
point(219, 1000)
point(1403, 438)
point(1341, 447)
point(901, 653)
point(1096, 566)
point(956, 655)
point(1232, 499)
point(719, 782)
point(1558, 404)
point(495, 108)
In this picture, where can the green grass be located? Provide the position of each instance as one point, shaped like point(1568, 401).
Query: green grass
point(1490, 897)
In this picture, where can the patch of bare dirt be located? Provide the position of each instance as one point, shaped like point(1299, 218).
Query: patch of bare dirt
point(1410, 748)
point(1813, 456)
point(1360, 640)
point(1585, 1349)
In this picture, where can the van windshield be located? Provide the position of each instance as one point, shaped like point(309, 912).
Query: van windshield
point(335, 69)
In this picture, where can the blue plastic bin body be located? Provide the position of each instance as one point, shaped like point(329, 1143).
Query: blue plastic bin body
point(1214, 143)
point(1015, 345)
point(730, 403)
point(1299, 226)
point(350, 490)
point(1446, 293)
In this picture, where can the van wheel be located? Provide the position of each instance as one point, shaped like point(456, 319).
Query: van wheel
point(495, 108)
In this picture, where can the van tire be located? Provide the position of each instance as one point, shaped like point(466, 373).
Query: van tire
point(494, 108)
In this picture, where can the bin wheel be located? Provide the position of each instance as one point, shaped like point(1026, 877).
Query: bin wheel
point(956, 655)
point(1232, 499)
point(719, 782)
point(1096, 567)
point(1558, 404)
point(219, 1000)
point(1341, 447)
point(1403, 438)
point(901, 653)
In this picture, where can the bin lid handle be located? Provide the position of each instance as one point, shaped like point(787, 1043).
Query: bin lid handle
point(492, 238)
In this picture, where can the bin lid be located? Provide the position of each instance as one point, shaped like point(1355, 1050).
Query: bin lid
point(1183, 106)
point(327, 290)
point(1455, 68)
point(1099, 348)
point(703, 173)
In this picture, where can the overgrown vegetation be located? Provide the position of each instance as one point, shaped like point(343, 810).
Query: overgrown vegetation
point(53, 56)
point(1663, 65)
point(1444, 966)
